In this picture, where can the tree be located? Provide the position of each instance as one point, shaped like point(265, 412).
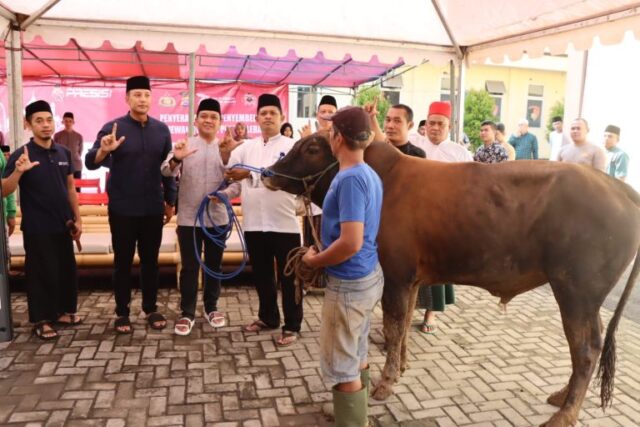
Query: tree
point(478, 107)
point(367, 95)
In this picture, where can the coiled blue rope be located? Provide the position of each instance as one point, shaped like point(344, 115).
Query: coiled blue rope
point(220, 234)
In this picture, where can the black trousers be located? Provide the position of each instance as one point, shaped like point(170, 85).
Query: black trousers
point(263, 248)
point(191, 268)
point(51, 276)
point(127, 232)
point(77, 175)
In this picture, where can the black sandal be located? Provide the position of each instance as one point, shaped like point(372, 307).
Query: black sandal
point(154, 318)
point(74, 319)
point(123, 322)
point(45, 335)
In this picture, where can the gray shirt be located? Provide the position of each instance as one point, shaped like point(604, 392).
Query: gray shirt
point(200, 174)
point(586, 154)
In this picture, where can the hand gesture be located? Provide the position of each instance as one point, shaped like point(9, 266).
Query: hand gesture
point(168, 212)
point(228, 143)
point(23, 163)
point(109, 142)
point(371, 108)
point(181, 150)
point(306, 130)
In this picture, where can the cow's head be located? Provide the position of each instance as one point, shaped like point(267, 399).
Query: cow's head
point(309, 167)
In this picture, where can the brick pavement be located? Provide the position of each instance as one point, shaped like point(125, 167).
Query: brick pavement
point(483, 368)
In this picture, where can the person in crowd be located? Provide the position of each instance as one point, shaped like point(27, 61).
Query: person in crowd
point(287, 130)
point(557, 138)
point(9, 202)
point(422, 128)
point(200, 163)
point(271, 228)
point(439, 147)
point(141, 200)
point(501, 137)
point(50, 222)
point(581, 151)
point(71, 139)
point(524, 142)
point(617, 160)
point(354, 277)
point(240, 132)
point(491, 150)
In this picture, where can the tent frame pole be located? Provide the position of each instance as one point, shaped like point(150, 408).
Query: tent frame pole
point(192, 91)
point(14, 86)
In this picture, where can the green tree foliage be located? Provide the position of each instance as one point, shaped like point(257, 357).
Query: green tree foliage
point(368, 94)
point(478, 107)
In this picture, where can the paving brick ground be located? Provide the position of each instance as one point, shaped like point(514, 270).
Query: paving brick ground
point(483, 368)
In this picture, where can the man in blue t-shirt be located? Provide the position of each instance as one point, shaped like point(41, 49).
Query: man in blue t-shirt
point(350, 221)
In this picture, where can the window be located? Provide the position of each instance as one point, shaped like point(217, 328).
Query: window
point(445, 88)
point(495, 87)
point(497, 107)
point(393, 96)
point(305, 99)
point(534, 105)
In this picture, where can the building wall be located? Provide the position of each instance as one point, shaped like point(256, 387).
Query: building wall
point(422, 86)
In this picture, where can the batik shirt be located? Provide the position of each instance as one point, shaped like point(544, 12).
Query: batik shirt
point(494, 153)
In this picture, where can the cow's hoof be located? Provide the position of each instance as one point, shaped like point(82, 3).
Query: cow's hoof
point(558, 398)
point(382, 391)
point(560, 419)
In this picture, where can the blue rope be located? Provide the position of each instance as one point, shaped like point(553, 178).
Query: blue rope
point(220, 234)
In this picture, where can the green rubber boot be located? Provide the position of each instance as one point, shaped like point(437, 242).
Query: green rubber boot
point(351, 408)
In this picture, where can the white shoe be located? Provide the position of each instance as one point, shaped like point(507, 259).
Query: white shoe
point(216, 319)
point(183, 326)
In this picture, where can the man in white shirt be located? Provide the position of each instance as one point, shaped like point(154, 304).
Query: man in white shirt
point(439, 147)
point(557, 138)
point(271, 228)
point(199, 163)
point(582, 151)
point(437, 144)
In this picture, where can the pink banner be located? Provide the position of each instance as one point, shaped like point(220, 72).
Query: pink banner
point(93, 106)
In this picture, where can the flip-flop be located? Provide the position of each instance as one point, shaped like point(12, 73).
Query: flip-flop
point(286, 339)
point(154, 318)
point(122, 322)
point(183, 326)
point(256, 326)
point(74, 319)
point(216, 319)
point(45, 335)
point(428, 328)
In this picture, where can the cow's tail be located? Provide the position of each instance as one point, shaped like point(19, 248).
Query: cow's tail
point(607, 366)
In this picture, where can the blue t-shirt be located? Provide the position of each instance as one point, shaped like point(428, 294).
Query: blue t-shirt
point(355, 195)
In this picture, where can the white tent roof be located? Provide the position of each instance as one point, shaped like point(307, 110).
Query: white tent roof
point(414, 30)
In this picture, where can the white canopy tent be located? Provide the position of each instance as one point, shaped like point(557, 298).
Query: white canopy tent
point(460, 32)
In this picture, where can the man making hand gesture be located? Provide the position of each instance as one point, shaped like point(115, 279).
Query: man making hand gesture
point(141, 200)
point(48, 201)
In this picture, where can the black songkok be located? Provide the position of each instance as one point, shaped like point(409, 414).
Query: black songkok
point(328, 100)
point(138, 82)
point(269, 100)
point(37, 107)
point(209, 104)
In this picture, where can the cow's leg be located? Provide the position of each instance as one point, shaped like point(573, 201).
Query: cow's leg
point(413, 295)
point(395, 298)
point(582, 327)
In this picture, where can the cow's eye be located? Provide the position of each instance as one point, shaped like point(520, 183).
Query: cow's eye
point(313, 150)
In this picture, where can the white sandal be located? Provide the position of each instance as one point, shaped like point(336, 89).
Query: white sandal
point(183, 326)
point(216, 319)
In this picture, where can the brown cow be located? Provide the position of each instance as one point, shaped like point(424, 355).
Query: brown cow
point(506, 228)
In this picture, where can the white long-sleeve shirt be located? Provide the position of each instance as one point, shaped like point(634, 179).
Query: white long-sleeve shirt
point(264, 209)
point(446, 151)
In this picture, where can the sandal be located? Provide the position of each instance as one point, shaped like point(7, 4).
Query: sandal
point(216, 319)
point(428, 328)
point(45, 331)
point(154, 319)
point(256, 326)
point(183, 326)
point(122, 325)
point(73, 319)
point(286, 339)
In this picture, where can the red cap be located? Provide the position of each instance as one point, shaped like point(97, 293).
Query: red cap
point(441, 108)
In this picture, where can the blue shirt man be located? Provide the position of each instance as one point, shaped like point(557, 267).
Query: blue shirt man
point(525, 143)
